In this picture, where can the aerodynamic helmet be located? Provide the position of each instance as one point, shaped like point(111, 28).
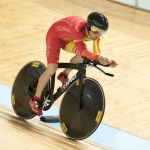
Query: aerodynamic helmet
point(96, 20)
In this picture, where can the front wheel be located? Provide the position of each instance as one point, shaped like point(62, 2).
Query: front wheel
point(20, 95)
point(77, 123)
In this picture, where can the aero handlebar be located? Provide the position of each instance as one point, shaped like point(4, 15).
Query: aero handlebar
point(94, 64)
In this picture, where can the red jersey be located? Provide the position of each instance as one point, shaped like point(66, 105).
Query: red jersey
point(73, 28)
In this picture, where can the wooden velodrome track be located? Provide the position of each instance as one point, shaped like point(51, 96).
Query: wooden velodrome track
point(23, 26)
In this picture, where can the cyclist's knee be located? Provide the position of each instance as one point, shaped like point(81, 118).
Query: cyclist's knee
point(78, 56)
point(77, 53)
point(51, 68)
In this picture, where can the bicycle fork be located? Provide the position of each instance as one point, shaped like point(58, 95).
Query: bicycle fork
point(81, 89)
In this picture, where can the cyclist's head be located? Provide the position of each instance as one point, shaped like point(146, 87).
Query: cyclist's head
point(97, 23)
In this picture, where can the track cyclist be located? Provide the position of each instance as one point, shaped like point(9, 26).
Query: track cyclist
point(71, 34)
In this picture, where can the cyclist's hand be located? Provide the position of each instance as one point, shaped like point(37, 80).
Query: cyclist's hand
point(113, 63)
point(104, 60)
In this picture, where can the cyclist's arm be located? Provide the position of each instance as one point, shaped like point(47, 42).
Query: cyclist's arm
point(81, 47)
point(97, 45)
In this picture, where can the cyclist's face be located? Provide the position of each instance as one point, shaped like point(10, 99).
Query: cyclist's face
point(93, 35)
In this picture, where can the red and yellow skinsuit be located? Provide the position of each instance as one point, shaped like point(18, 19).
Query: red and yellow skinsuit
point(70, 34)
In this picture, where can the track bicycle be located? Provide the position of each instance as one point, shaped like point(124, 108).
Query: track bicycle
point(82, 106)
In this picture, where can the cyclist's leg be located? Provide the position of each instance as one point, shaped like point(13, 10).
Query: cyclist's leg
point(76, 59)
point(52, 53)
point(51, 69)
point(70, 47)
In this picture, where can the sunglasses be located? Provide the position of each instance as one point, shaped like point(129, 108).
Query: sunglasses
point(96, 30)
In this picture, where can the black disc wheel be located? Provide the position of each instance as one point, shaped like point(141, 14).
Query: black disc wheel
point(23, 89)
point(78, 123)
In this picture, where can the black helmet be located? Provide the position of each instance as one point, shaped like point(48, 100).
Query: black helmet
point(97, 19)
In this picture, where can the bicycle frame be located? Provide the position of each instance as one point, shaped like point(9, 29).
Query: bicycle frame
point(79, 75)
